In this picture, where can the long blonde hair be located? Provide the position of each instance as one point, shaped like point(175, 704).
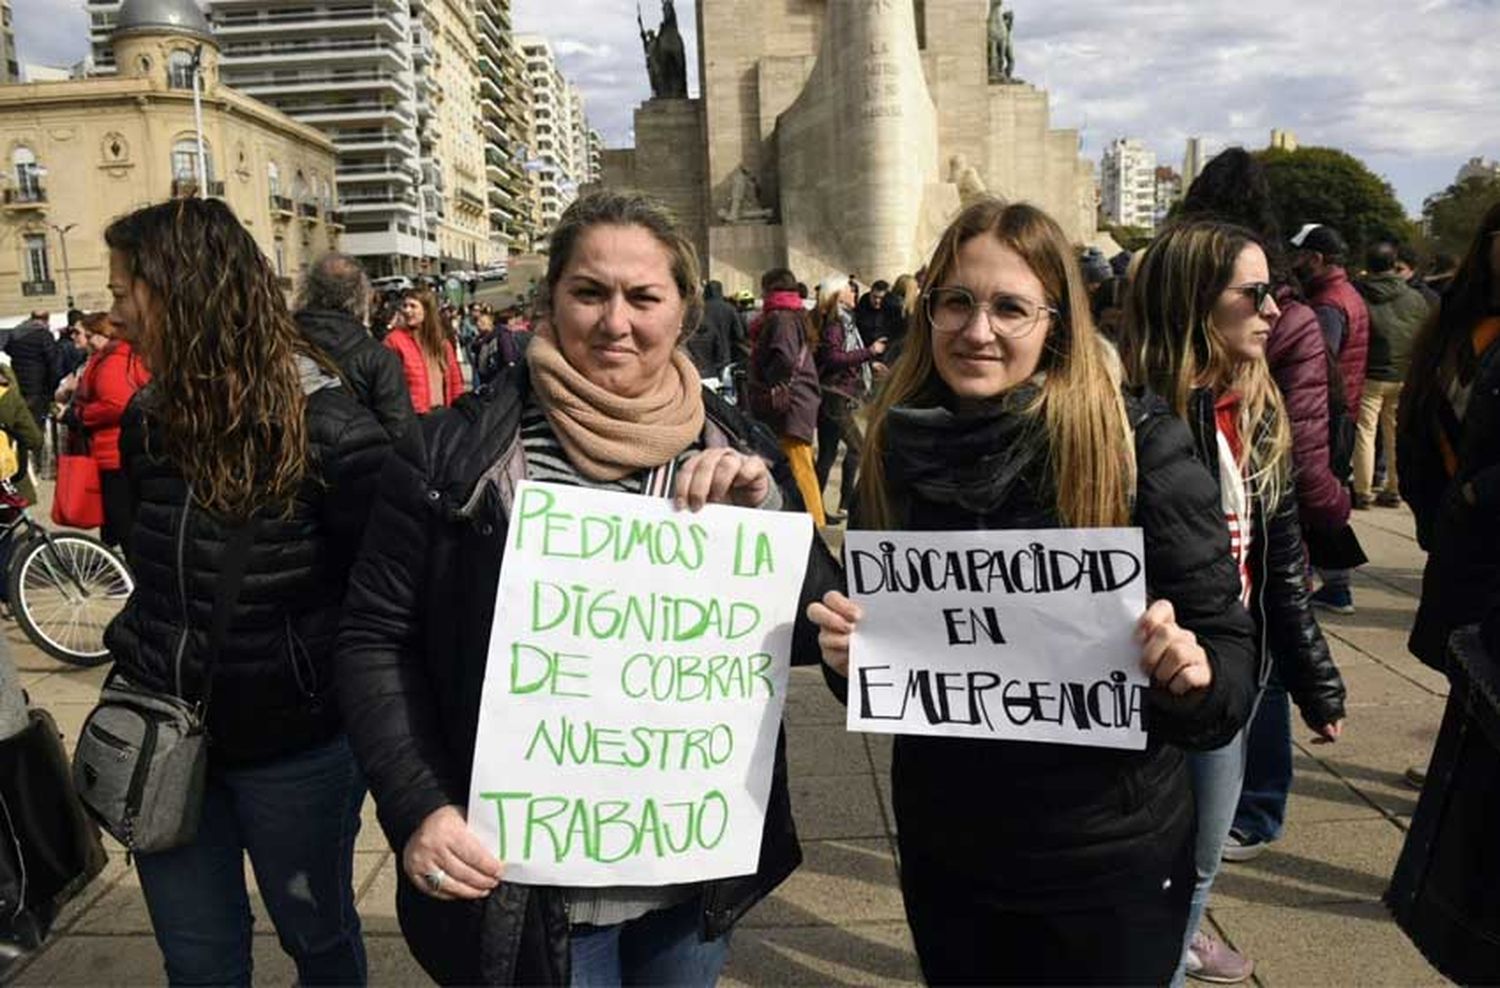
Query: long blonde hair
point(1090, 459)
point(1172, 345)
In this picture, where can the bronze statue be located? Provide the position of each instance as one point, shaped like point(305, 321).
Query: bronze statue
point(1002, 59)
point(666, 63)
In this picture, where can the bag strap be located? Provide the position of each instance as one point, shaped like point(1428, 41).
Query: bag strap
point(226, 594)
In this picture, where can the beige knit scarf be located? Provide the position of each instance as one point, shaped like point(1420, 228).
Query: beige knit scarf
point(608, 437)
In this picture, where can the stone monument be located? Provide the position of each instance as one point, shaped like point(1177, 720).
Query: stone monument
point(835, 135)
point(666, 63)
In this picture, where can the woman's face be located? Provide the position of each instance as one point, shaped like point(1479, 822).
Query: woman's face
point(974, 360)
point(1241, 326)
point(413, 312)
point(94, 342)
point(616, 311)
point(131, 298)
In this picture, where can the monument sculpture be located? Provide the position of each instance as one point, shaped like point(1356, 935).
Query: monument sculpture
point(666, 62)
point(745, 204)
point(844, 135)
point(966, 177)
point(1001, 57)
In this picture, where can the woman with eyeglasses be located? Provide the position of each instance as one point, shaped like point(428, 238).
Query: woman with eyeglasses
point(1200, 311)
point(1025, 862)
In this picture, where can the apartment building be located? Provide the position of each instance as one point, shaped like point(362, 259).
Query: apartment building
point(505, 105)
point(560, 155)
point(1128, 176)
point(10, 62)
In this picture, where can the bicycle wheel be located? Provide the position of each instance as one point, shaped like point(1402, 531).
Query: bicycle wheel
point(64, 591)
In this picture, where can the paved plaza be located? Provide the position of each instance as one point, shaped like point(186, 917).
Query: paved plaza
point(1308, 910)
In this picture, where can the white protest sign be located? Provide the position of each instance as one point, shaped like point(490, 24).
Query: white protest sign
point(633, 694)
point(1017, 635)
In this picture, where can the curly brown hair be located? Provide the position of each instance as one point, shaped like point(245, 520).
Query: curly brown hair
point(226, 402)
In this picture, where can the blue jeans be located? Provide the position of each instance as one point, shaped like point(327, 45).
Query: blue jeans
point(1268, 767)
point(297, 818)
point(1216, 776)
point(663, 947)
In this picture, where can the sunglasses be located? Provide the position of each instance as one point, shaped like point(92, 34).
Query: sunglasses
point(1256, 293)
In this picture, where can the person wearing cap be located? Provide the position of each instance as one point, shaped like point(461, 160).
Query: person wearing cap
point(1345, 321)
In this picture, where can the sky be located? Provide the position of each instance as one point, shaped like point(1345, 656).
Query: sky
point(1410, 88)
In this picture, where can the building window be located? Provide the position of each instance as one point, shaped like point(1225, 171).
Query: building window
point(273, 181)
point(38, 266)
point(180, 70)
point(280, 257)
point(185, 161)
point(28, 175)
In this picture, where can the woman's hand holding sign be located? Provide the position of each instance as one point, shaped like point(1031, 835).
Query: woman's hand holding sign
point(1170, 654)
point(446, 861)
point(835, 617)
point(722, 475)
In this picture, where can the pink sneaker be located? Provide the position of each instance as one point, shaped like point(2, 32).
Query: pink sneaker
point(1211, 959)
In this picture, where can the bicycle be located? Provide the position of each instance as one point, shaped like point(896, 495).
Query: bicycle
point(64, 586)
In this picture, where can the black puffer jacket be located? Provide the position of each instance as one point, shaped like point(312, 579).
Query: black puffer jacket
point(272, 687)
point(32, 349)
point(412, 657)
point(372, 372)
point(1045, 826)
point(1289, 633)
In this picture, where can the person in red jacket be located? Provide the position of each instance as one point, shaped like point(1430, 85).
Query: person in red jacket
point(111, 377)
point(427, 354)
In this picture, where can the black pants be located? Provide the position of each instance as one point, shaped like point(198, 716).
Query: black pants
point(119, 508)
point(835, 422)
point(964, 940)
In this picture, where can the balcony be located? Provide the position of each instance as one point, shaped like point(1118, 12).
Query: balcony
point(45, 287)
point(282, 207)
point(470, 197)
point(254, 54)
point(26, 197)
point(308, 211)
point(257, 22)
point(183, 187)
point(335, 219)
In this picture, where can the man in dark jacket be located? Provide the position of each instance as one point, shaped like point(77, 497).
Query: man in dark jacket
point(33, 359)
point(1397, 311)
point(1346, 329)
point(332, 313)
point(712, 347)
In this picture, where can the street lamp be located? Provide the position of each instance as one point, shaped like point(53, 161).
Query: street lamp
point(197, 67)
point(62, 237)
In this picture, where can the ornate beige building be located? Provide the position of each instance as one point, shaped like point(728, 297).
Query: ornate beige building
point(81, 152)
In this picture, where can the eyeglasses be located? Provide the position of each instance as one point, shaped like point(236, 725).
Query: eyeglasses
point(1011, 316)
point(1256, 292)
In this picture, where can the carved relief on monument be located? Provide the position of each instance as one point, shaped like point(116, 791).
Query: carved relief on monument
point(745, 205)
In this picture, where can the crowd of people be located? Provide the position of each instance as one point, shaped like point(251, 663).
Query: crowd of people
point(315, 501)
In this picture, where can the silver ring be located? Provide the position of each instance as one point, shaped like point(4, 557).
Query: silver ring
point(435, 879)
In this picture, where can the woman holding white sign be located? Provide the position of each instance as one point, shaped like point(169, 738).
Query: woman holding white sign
point(1199, 315)
point(605, 398)
point(1026, 862)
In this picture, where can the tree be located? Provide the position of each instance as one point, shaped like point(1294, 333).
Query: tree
point(1453, 215)
point(1330, 187)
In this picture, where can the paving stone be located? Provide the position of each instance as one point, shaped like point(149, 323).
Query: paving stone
point(391, 964)
point(825, 749)
point(102, 961)
point(377, 901)
point(835, 806)
point(847, 954)
point(809, 701)
point(879, 746)
point(1378, 746)
point(1341, 861)
point(1376, 684)
point(122, 909)
point(851, 880)
point(371, 837)
point(1319, 796)
point(70, 685)
point(1336, 943)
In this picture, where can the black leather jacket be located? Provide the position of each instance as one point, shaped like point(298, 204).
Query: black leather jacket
point(1288, 631)
point(372, 372)
point(412, 655)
